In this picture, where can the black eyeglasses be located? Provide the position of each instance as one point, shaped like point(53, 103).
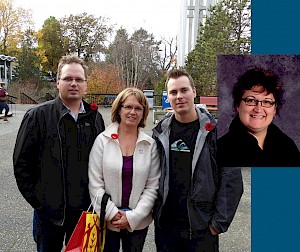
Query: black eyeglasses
point(250, 101)
point(70, 80)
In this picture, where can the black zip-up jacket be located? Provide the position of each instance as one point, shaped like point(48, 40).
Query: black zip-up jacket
point(239, 148)
point(39, 158)
point(214, 193)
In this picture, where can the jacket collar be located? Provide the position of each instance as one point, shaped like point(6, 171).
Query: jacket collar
point(62, 109)
point(204, 119)
point(237, 128)
point(112, 132)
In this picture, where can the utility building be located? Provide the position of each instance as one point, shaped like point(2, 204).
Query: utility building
point(6, 68)
point(193, 12)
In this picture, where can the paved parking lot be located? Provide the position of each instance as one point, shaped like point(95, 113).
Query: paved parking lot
point(16, 214)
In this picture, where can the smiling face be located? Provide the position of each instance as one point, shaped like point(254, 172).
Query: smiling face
point(71, 91)
point(131, 112)
point(256, 118)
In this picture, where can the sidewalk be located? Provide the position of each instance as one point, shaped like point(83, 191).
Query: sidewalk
point(16, 213)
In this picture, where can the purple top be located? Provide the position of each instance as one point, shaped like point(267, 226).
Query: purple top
point(127, 179)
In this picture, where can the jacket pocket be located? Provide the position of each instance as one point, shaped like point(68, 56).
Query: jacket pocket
point(204, 205)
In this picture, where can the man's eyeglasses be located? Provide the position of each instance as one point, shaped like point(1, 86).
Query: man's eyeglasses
point(250, 101)
point(70, 80)
point(129, 108)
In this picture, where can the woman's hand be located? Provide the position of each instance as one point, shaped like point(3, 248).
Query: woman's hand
point(116, 217)
point(122, 222)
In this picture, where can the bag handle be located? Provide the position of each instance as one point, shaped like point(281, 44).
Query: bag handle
point(103, 207)
point(102, 215)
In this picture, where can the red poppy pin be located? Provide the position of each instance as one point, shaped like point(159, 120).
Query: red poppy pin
point(94, 106)
point(114, 136)
point(209, 126)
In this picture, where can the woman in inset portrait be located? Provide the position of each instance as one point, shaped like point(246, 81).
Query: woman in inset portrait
point(253, 139)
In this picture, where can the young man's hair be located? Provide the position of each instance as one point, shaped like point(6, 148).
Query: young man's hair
point(176, 73)
point(69, 59)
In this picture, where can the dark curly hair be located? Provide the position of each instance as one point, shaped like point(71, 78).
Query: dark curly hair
point(264, 79)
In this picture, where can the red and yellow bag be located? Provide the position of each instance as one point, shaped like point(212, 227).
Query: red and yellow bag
point(89, 233)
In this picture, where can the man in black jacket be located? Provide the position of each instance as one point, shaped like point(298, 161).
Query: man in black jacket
point(196, 199)
point(51, 156)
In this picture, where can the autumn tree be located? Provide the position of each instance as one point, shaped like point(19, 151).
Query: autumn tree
point(104, 79)
point(51, 45)
point(168, 53)
point(85, 34)
point(28, 67)
point(28, 79)
point(137, 57)
point(226, 31)
point(119, 54)
point(13, 22)
point(145, 58)
point(168, 61)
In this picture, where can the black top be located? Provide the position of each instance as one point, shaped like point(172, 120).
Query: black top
point(238, 148)
point(182, 144)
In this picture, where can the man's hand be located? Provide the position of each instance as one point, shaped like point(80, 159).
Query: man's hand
point(213, 232)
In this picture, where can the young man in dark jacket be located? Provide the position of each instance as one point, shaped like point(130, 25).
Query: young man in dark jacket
point(196, 200)
point(51, 156)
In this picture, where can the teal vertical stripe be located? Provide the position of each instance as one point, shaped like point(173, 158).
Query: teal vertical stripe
point(275, 27)
point(275, 195)
point(275, 200)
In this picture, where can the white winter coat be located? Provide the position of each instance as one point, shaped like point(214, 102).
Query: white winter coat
point(105, 175)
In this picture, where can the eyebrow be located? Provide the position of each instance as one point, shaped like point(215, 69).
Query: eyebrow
point(256, 98)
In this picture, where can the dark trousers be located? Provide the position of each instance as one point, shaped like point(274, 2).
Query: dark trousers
point(174, 240)
point(131, 241)
point(3, 105)
point(50, 237)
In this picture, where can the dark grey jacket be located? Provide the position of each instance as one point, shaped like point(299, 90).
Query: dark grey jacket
point(215, 192)
point(39, 157)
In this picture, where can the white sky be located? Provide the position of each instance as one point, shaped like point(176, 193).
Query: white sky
point(160, 17)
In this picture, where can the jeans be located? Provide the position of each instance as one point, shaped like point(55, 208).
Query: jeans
point(50, 237)
point(174, 240)
point(131, 241)
point(3, 105)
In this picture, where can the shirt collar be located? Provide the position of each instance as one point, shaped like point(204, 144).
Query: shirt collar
point(81, 111)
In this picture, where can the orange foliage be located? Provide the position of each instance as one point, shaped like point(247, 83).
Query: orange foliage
point(104, 80)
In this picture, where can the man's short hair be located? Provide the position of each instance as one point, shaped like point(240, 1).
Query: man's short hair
point(69, 59)
point(176, 73)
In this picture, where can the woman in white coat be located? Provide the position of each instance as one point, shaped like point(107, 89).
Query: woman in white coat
point(124, 163)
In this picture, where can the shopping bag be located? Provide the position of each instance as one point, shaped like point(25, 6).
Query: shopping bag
point(89, 233)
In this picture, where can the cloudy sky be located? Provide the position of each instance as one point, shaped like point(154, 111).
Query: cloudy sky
point(160, 17)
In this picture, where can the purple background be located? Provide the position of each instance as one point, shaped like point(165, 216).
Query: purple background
point(287, 67)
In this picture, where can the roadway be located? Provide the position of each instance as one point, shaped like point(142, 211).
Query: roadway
point(16, 213)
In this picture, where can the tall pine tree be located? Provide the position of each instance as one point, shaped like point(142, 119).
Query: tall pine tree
point(226, 31)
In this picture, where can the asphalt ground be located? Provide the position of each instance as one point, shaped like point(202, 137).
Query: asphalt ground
point(16, 213)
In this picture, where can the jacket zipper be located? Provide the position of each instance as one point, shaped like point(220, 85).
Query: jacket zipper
point(62, 167)
point(191, 186)
point(190, 229)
